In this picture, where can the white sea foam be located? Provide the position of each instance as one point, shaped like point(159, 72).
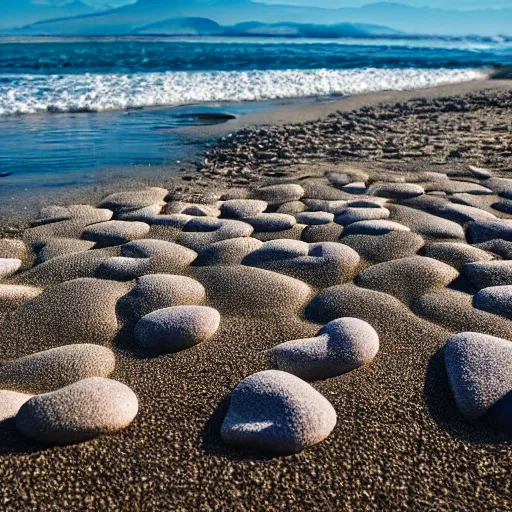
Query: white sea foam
point(29, 94)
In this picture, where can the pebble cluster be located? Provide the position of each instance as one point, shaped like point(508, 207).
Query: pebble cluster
point(169, 274)
point(475, 127)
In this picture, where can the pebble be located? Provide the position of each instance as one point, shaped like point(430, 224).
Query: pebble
point(177, 328)
point(276, 412)
point(479, 369)
point(78, 412)
point(339, 347)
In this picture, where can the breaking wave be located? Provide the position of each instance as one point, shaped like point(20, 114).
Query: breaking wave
point(31, 94)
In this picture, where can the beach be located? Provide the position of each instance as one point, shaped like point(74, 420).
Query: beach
point(391, 207)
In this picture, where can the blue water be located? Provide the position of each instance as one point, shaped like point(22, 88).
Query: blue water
point(71, 109)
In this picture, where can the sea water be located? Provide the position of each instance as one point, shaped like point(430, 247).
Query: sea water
point(86, 105)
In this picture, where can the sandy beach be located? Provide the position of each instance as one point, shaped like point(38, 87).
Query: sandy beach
point(393, 208)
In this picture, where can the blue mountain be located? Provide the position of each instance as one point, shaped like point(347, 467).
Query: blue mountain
point(132, 18)
point(17, 13)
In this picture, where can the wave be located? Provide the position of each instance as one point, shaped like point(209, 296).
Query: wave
point(31, 94)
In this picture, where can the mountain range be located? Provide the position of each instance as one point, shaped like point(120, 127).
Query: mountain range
point(162, 16)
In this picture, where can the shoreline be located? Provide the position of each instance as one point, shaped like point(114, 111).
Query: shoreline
point(200, 139)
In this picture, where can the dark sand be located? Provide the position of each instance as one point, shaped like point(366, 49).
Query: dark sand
point(400, 442)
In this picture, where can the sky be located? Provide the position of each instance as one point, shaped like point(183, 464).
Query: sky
point(444, 4)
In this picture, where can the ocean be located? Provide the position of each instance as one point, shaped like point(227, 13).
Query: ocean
point(70, 109)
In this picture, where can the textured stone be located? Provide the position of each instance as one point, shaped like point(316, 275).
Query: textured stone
point(78, 412)
point(277, 412)
point(339, 347)
point(58, 367)
point(115, 232)
point(480, 371)
point(177, 328)
point(495, 299)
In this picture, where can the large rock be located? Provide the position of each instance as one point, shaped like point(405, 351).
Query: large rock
point(177, 328)
point(144, 257)
point(277, 412)
point(323, 264)
point(424, 223)
point(351, 215)
point(339, 347)
point(396, 190)
point(240, 208)
point(279, 194)
point(58, 367)
point(203, 231)
point(271, 222)
point(12, 248)
point(483, 231)
point(408, 278)
point(455, 254)
point(390, 246)
point(10, 403)
point(485, 274)
point(480, 371)
point(69, 313)
point(56, 247)
point(227, 252)
point(159, 291)
point(253, 291)
point(134, 199)
point(495, 299)
point(373, 227)
point(314, 218)
point(115, 232)
point(76, 413)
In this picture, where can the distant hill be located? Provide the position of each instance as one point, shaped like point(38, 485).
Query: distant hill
point(205, 26)
point(133, 18)
point(18, 13)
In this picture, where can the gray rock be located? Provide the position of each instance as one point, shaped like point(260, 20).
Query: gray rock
point(277, 412)
point(480, 371)
point(134, 199)
point(279, 194)
point(76, 413)
point(58, 367)
point(227, 252)
point(351, 215)
point(357, 187)
point(373, 227)
point(241, 208)
point(483, 231)
point(495, 299)
point(456, 255)
point(489, 273)
point(407, 278)
point(10, 403)
point(339, 347)
point(314, 218)
point(292, 208)
point(271, 222)
point(115, 232)
point(396, 190)
point(178, 328)
point(159, 291)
